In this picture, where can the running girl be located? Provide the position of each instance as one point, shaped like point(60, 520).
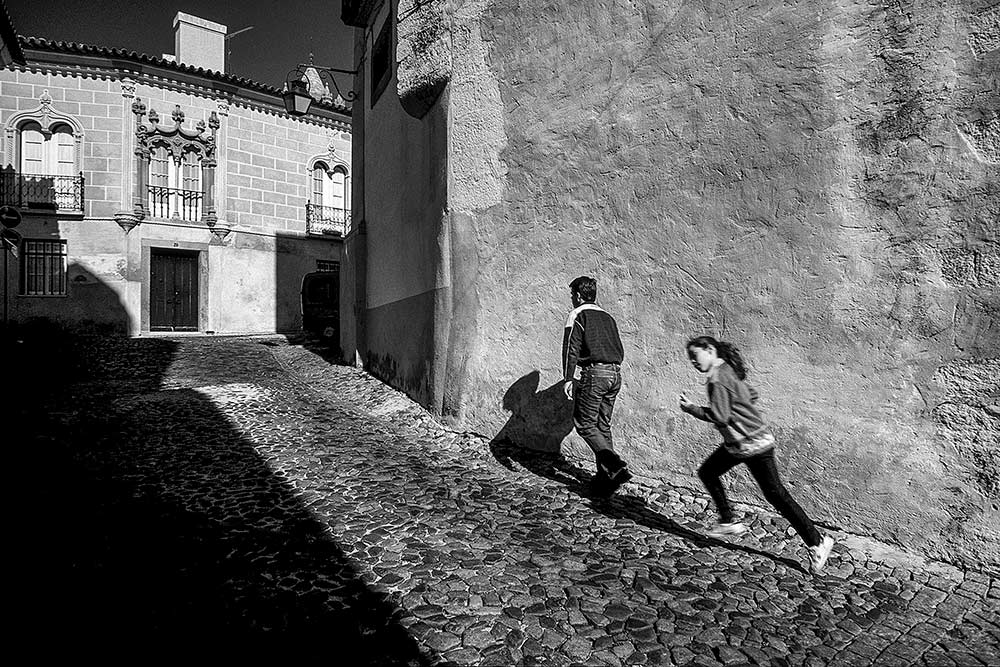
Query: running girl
point(746, 439)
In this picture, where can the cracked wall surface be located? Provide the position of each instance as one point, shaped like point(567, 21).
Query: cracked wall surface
point(815, 180)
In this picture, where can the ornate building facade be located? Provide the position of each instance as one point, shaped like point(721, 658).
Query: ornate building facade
point(160, 194)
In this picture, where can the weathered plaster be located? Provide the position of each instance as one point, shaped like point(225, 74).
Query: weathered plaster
point(789, 176)
point(423, 53)
point(814, 181)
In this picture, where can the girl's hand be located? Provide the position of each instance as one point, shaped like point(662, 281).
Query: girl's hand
point(684, 401)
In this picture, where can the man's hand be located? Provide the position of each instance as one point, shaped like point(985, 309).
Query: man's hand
point(568, 389)
point(685, 402)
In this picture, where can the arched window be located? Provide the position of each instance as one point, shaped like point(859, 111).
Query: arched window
point(318, 184)
point(329, 207)
point(338, 189)
point(175, 187)
point(46, 163)
point(51, 153)
point(175, 172)
point(159, 167)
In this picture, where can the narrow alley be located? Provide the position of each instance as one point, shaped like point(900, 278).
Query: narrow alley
point(205, 487)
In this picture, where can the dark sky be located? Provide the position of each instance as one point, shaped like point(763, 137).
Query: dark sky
point(285, 31)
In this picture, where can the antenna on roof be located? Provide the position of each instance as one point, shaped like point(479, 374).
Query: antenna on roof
point(229, 52)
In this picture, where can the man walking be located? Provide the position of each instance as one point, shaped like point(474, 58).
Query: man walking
point(591, 341)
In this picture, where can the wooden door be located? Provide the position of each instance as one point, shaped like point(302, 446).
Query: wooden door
point(173, 290)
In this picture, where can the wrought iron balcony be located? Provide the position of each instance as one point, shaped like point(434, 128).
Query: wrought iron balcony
point(42, 192)
point(327, 220)
point(175, 203)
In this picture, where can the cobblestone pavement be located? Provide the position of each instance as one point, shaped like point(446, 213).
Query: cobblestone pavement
point(206, 487)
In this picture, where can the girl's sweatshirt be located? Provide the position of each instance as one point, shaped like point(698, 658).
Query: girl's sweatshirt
point(731, 406)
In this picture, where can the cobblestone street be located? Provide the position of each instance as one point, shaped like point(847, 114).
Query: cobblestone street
point(215, 487)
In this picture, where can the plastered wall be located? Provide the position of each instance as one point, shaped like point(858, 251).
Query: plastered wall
point(816, 181)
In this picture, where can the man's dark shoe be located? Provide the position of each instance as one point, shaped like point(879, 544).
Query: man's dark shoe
point(620, 476)
point(600, 485)
point(604, 485)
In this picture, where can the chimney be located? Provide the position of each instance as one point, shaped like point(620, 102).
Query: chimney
point(199, 43)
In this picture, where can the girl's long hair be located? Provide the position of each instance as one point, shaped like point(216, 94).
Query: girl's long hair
point(726, 351)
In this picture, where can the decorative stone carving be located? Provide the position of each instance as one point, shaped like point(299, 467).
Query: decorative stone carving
point(47, 116)
point(220, 232)
point(177, 140)
point(127, 220)
point(128, 87)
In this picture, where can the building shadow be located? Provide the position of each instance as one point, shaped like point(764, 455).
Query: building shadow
point(147, 520)
point(532, 440)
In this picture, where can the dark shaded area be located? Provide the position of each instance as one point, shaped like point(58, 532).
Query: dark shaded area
point(532, 438)
point(148, 520)
point(307, 300)
point(539, 420)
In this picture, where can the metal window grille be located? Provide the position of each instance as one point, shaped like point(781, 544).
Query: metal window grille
point(41, 191)
point(327, 220)
point(43, 268)
point(174, 203)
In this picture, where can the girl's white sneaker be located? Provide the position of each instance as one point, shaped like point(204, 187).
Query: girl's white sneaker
point(723, 529)
point(819, 554)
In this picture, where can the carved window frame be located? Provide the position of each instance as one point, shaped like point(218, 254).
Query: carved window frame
point(331, 164)
point(48, 118)
point(178, 140)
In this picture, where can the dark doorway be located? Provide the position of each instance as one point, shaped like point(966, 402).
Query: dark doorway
point(173, 290)
point(321, 303)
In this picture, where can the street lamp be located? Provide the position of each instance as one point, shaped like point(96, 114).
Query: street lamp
point(296, 94)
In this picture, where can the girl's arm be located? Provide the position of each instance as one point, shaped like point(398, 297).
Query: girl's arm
point(719, 409)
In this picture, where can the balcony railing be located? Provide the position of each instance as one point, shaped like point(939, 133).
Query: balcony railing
point(174, 203)
point(42, 191)
point(327, 220)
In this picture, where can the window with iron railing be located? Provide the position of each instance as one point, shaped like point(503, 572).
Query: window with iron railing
point(175, 203)
point(50, 192)
point(328, 212)
point(46, 178)
point(327, 220)
point(175, 188)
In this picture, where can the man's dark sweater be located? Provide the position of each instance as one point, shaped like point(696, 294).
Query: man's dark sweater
point(591, 337)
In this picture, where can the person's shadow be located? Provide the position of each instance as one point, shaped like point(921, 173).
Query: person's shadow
point(532, 438)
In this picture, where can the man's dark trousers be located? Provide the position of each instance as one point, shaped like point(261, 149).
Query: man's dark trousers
point(595, 402)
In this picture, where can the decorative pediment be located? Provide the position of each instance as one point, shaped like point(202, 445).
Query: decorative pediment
point(174, 136)
point(47, 117)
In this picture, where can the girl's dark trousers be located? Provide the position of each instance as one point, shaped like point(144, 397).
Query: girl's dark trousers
point(764, 470)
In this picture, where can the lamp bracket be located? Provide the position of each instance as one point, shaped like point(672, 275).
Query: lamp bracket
point(324, 76)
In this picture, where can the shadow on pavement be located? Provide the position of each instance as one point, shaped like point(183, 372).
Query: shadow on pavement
point(150, 520)
point(532, 438)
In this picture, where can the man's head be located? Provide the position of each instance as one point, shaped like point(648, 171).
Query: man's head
point(583, 290)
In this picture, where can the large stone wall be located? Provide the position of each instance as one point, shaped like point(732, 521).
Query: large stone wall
point(816, 181)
